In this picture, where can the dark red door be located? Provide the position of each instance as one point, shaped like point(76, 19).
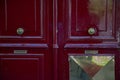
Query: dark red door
point(26, 39)
point(88, 39)
point(59, 39)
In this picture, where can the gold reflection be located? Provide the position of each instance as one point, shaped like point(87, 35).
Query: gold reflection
point(99, 7)
point(91, 67)
point(101, 12)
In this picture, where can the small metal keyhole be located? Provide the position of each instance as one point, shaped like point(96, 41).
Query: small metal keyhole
point(20, 31)
point(91, 31)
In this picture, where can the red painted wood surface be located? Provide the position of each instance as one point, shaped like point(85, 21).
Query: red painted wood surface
point(22, 67)
point(35, 17)
point(53, 31)
point(74, 19)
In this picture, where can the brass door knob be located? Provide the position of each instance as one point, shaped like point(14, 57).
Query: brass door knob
point(91, 31)
point(20, 31)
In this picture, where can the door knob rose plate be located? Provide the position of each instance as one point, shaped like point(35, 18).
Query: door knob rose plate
point(20, 31)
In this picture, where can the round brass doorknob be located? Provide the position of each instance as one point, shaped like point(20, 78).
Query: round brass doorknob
point(20, 31)
point(91, 31)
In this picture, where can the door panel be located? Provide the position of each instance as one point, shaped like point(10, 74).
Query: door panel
point(25, 24)
point(26, 40)
point(30, 15)
point(87, 26)
point(22, 67)
point(32, 63)
point(74, 64)
point(87, 21)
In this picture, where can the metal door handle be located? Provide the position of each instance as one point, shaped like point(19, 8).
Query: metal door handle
point(20, 31)
point(91, 31)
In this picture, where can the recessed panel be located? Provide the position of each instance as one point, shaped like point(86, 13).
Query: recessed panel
point(26, 14)
point(22, 67)
point(25, 19)
point(91, 13)
point(86, 18)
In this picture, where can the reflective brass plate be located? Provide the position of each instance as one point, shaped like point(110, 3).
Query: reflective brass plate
point(92, 67)
point(91, 51)
point(20, 51)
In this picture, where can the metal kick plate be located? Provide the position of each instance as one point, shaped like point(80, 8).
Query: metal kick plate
point(20, 51)
point(91, 51)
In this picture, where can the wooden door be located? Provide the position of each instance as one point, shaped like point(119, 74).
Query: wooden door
point(87, 29)
point(53, 39)
point(26, 40)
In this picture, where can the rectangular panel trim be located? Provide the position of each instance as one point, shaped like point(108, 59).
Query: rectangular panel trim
point(101, 45)
point(22, 54)
point(24, 45)
point(39, 37)
point(19, 58)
